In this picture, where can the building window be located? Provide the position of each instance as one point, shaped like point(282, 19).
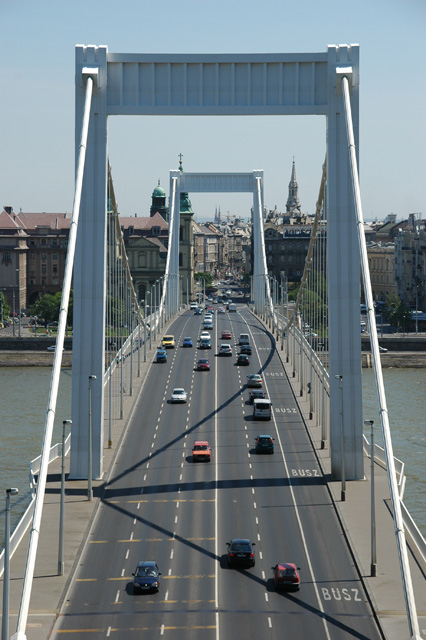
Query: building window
point(156, 231)
point(43, 281)
point(43, 243)
point(43, 268)
point(6, 258)
point(54, 256)
point(131, 230)
point(32, 281)
point(54, 243)
point(43, 256)
point(55, 268)
point(32, 255)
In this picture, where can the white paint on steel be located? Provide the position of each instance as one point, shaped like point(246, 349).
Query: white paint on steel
point(56, 372)
point(378, 374)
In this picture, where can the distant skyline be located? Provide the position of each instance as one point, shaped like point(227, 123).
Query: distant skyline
point(37, 107)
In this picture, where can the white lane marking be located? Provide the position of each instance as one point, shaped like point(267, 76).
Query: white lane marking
point(144, 478)
point(296, 509)
point(122, 572)
point(270, 623)
point(127, 554)
point(176, 519)
point(166, 597)
point(263, 575)
point(162, 630)
point(252, 489)
point(257, 520)
point(138, 506)
point(108, 632)
point(258, 536)
point(134, 521)
point(131, 536)
point(152, 446)
point(266, 597)
point(147, 465)
point(260, 555)
point(170, 572)
point(171, 554)
point(180, 477)
point(117, 596)
point(177, 504)
point(254, 505)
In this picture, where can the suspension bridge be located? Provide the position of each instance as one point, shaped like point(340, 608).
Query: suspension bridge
point(113, 331)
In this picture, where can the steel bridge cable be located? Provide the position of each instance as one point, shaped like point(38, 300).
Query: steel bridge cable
point(56, 372)
point(384, 418)
point(312, 243)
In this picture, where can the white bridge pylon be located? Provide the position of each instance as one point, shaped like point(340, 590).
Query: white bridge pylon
point(218, 183)
point(219, 85)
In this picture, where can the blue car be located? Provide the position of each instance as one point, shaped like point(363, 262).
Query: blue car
point(161, 355)
point(187, 342)
point(146, 576)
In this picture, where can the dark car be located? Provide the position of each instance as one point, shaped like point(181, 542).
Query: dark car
point(161, 355)
point(240, 552)
point(264, 444)
point(146, 576)
point(256, 394)
point(245, 348)
point(286, 576)
point(243, 359)
point(203, 365)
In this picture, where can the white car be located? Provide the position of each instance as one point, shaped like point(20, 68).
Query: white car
point(225, 350)
point(193, 305)
point(205, 334)
point(178, 395)
point(53, 348)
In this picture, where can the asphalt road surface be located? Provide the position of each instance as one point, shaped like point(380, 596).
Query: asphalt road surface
point(161, 506)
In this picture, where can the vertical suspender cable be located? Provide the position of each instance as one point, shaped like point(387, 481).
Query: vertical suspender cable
point(56, 372)
point(384, 418)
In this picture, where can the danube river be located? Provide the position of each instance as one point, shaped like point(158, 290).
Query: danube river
point(23, 401)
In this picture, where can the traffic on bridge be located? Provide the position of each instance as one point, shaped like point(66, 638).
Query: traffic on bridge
point(160, 506)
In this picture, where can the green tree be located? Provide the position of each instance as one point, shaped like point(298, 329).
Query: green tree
point(47, 307)
point(398, 314)
point(204, 278)
point(4, 307)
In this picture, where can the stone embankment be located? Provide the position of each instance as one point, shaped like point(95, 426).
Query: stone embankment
point(32, 352)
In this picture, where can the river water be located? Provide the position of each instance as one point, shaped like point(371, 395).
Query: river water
point(23, 402)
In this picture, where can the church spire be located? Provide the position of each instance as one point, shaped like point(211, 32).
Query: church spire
point(293, 206)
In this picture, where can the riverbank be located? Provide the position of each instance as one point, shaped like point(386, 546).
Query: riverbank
point(391, 359)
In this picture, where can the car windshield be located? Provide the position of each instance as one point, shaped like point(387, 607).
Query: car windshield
point(264, 440)
point(146, 571)
point(179, 392)
point(200, 447)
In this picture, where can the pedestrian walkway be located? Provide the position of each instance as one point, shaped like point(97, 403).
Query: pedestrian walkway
point(50, 590)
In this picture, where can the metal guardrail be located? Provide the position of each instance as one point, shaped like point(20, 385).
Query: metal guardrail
point(25, 521)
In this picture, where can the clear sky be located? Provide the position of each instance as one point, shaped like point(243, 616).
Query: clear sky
point(37, 103)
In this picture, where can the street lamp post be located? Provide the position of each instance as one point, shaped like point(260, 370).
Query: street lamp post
point(90, 449)
point(18, 271)
point(6, 575)
point(373, 564)
point(13, 311)
point(62, 504)
point(342, 446)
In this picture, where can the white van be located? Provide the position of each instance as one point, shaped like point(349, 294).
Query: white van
point(232, 306)
point(262, 409)
point(244, 339)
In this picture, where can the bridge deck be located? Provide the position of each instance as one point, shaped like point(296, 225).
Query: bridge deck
point(49, 590)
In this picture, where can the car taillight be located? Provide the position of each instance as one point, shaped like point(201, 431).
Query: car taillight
point(252, 555)
point(231, 555)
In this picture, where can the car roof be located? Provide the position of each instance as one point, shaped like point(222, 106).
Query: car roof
point(147, 563)
point(286, 565)
point(187, 338)
point(201, 442)
point(264, 435)
point(246, 540)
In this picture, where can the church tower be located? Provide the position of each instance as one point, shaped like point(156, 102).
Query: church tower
point(293, 206)
point(159, 203)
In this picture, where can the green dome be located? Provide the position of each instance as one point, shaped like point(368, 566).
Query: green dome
point(158, 192)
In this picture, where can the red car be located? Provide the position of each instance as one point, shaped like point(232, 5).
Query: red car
point(203, 365)
point(286, 576)
point(201, 451)
point(227, 335)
